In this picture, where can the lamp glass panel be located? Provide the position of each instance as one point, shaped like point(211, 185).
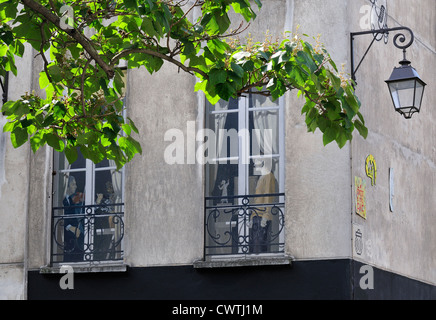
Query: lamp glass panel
point(418, 94)
point(402, 93)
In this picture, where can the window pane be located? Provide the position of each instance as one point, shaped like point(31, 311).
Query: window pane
point(67, 184)
point(222, 105)
point(264, 169)
point(222, 181)
point(418, 94)
point(260, 101)
point(108, 188)
point(103, 164)
point(264, 129)
point(403, 93)
point(223, 141)
point(63, 163)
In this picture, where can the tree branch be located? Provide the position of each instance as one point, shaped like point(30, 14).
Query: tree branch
point(75, 34)
point(125, 53)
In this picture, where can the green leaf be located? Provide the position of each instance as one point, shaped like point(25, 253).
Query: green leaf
point(55, 73)
point(363, 131)
point(131, 4)
point(37, 141)
point(54, 141)
point(307, 61)
point(8, 107)
point(335, 80)
point(237, 69)
point(71, 154)
point(330, 135)
point(148, 27)
point(342, 139)
point(217, 76)
point(18, 137)
point(129, 146)
point(259, 4)
point(43, 80)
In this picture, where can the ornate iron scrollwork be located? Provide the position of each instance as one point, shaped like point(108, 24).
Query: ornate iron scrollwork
point(399, 41)
point(379, 18)
point(94, 234)
point(236, 227)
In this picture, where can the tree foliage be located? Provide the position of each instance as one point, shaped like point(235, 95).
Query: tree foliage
point(82, 43)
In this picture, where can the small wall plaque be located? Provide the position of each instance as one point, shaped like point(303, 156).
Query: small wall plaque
point(371, 169)
point(360, 196)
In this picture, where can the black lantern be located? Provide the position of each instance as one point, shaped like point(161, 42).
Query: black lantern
point(407, 89)
point(405, 85)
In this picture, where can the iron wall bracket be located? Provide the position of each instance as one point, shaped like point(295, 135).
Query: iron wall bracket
point(399, 41)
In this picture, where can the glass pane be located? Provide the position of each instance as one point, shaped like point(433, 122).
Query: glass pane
point(108, 225)
point(418, 95)
point(260, 101)
point(69, 218)
point(222, 153)
point(222, 136)
point(102, 164)
point(222, 105)
point(264, 175)
point(108, 189)
point(222, 182)
point(264, 129)
point(403, 93)
point(264, 125)
point(68, 184)
point(63, 163)
point(266, 212)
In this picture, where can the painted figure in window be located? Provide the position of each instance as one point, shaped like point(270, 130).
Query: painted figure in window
point(261, 217)
point(106, 202)
point(107, 198)
point(223, 187)
point(74, 229)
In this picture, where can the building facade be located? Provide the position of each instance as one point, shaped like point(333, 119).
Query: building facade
point(276, 215)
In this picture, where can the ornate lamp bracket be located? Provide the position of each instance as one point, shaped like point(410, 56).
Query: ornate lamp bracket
point(399, 42)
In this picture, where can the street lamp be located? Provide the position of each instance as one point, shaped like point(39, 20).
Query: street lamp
point(407, 89)
point(405, 85)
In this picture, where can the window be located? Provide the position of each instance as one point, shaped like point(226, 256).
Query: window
point(88, 211)
point(244, 203)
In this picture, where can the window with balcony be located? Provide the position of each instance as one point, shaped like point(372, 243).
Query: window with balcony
point(88, 211)
point(244, 202)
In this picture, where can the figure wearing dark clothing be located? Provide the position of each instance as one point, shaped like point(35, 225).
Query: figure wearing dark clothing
point(73, 227)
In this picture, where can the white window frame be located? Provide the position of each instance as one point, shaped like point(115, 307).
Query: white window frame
point(243, 158)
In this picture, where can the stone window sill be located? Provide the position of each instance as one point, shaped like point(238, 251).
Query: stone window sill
point(244, 262)
point(84, 268)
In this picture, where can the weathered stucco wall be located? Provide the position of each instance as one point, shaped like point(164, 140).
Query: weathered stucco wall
point(163, 201)
point(402, 241)
point(14, 192)
point(317, 177)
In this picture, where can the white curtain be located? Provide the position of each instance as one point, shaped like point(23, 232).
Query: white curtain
point(266, 126)
point(219, 121)
point(117, 183)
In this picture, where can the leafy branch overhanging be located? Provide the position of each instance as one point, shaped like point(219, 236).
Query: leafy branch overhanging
point(82, 47)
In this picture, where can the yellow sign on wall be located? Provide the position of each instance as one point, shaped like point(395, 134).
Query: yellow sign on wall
point(371, 169)
point(360, 196)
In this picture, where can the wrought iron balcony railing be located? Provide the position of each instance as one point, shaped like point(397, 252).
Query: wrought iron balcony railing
point(244, 225)
point(91, 233)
